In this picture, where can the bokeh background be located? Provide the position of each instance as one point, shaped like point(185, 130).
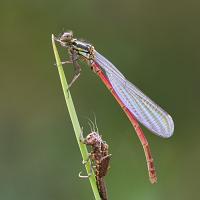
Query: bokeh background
point(156, 45)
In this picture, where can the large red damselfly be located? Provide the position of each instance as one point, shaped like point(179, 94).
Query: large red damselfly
point(136, 105)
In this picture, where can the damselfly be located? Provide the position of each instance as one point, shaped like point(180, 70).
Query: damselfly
point(133, 101)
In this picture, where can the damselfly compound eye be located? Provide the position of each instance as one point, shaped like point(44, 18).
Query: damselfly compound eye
point(66, 37)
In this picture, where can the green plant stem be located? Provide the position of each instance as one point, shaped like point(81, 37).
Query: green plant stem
point(74, 119)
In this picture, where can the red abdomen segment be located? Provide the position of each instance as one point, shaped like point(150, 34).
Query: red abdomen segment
point(134, 122)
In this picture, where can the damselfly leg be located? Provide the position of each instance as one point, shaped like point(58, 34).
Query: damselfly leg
point(74, 57)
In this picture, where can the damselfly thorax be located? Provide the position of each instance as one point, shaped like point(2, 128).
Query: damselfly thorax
point(75, 46)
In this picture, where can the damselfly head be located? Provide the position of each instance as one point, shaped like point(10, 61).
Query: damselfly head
point(66, 37)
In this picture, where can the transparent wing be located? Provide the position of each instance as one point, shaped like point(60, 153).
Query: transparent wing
point(142, 107)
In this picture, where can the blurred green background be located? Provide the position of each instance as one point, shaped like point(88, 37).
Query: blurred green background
point(156, 45)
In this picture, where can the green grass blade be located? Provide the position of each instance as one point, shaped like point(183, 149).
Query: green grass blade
point(74, 119)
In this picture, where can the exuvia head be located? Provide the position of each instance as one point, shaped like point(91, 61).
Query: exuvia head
point(93, 138)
